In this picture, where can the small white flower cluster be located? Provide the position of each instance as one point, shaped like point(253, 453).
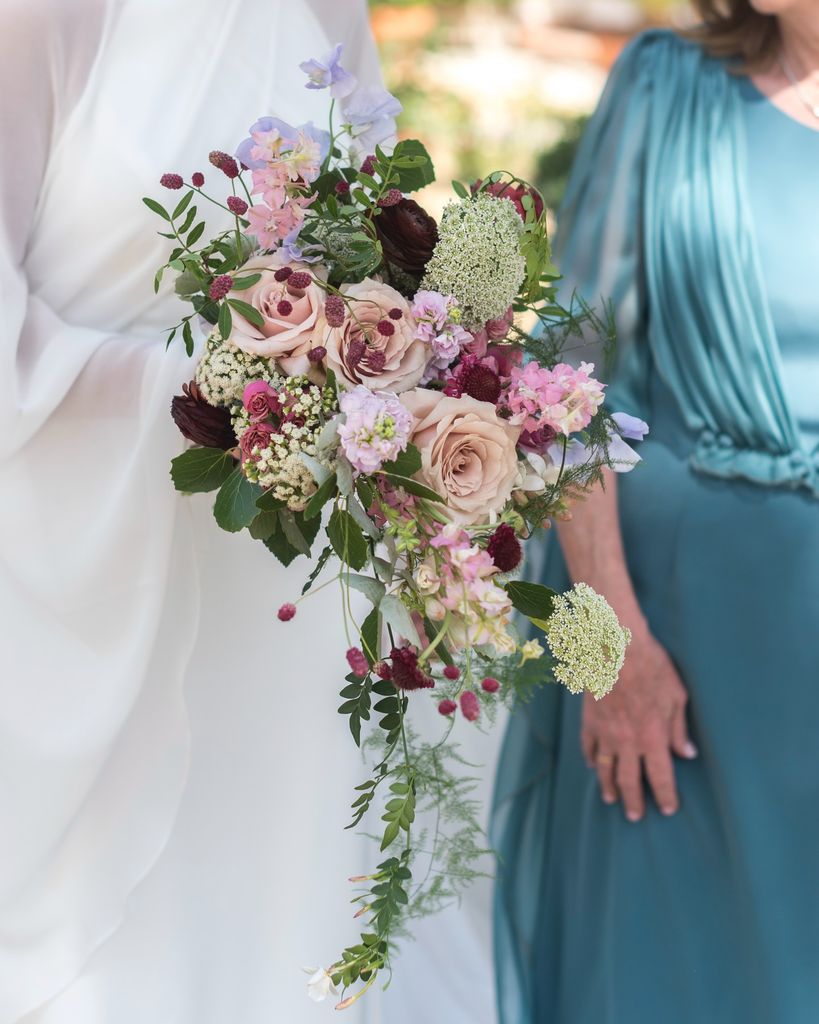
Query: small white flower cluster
point(587, 641)
point(224, 370)
point(279, 467)
point(478, 257)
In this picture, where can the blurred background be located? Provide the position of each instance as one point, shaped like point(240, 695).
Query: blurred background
point(505, 84)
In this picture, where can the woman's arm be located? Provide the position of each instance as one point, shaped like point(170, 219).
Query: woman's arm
point(642, 722)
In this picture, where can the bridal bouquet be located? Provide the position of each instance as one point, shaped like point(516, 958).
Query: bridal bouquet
point(372, 396)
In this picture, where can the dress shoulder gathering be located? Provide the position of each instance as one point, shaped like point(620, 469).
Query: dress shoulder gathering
point(691, 208)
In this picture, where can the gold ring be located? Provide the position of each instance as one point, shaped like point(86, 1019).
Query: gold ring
point(604, 759)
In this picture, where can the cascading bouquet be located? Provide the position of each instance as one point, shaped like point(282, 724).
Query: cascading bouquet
point(367, 390)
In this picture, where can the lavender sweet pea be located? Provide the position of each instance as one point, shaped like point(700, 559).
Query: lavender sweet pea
point(370, 112)
point(328, 73)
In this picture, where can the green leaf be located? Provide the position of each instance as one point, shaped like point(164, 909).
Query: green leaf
point(201, 469)
point(325, 492)
point(420, 172)
point(156, 207)
point(248, 312)
point(240, 283)
point(279, 545)
point(413, 487)
point(264, 525)
point(321, 561)
point(395, 613)
point(235, 505)
point(308, 528)
point(196, 234)
point(158, 278)
point(460, 190)
point(374, 590)
point(531, 599)
point(268, 501)
point(370, 632)
point(189, 217)
point(182, 205)
point(225, 321)
point(348, 541)
point(407, 464)
point(187, 337)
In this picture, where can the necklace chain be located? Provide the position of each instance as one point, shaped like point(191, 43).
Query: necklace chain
point(797, 87)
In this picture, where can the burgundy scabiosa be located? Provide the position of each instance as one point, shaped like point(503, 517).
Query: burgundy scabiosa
point(447, 707)
point(172, 181)
point(220, 286)
point(286, 612)
point(197, 179)
point(452, 672)
point(490, 685)
point(504, 548)
point(237, 205)
point(224, 162)
point(406, 673)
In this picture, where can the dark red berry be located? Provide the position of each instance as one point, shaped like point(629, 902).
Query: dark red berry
point(470, 706)
point(334, 310)
point(392, 198)
point(490, 685)
point(355, 352)
point(382, 670)
point(237, 205)
point(225, 162)
point(315, 355)
point(283, 273)
point(198, 179)
point(299, 280)
point(342, 188)
point(395, 314)
point(386, 327)
point(286, 612)
point(452, 672)
point(406, 673)
point(376, 361)
point(447, 707)
point(220, 286)
point(284, 308)
point(369, 165)
point(173, 181)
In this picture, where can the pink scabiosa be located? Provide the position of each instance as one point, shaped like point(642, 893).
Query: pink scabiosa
point(406, 673)
point(447, 708)
point(563, 398)
point(286, 612)
point(470, 706)
point(504, 548)
point(357, 662)
point(376, 428)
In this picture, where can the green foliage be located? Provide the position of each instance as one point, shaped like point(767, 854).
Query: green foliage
point(201, 469)
point(347, 539)
point(235, 505)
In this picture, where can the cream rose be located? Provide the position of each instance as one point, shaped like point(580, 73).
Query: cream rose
point(468, 454)
point(358, 352)
point(286, 336)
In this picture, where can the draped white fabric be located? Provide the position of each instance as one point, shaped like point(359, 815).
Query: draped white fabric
point(173, 775)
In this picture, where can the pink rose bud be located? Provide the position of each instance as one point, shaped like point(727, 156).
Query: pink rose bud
point(470, 706)
point(286, 612)
point(490, 685)
point(357, 662)
point(452, 672)
point(447, 707)
point(260, 399)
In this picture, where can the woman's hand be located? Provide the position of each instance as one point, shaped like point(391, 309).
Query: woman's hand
point(640, 725)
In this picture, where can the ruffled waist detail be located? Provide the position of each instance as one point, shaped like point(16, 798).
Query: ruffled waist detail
point(718, 455)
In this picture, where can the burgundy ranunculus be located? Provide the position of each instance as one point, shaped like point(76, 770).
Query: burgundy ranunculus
point(407, 234)
point(201, 422)
point(257, 435)
point(506, 190)
point(504, 548)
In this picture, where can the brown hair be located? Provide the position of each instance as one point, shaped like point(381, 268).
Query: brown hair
point(733, 29)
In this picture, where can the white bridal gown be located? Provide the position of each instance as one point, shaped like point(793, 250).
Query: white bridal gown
point(173, 775)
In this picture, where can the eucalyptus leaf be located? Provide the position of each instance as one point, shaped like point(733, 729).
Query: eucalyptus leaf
point(394, 612)
point(371, 588)
point(292, 532)
point(361, 517)
point(344, 472)
point(319, 471)
point(328, 435)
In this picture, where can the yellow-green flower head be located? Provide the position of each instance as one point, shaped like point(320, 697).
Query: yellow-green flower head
point(587, 641)
point(478, 257)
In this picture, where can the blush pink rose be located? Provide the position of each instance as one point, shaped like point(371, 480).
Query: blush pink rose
point(468, 454)
point(286, 336)
point(371, 347)
point(260, 400)
point(258, 436)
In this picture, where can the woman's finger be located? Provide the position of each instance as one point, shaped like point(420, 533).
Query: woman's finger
point(680, 741)
point(630, 783)
point(604, 763)
point(660, 772)
point(588, 744)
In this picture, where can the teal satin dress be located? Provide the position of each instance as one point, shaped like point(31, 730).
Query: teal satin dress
point(694, 206)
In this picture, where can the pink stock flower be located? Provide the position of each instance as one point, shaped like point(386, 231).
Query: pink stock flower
point(564, 398)
point(376, 428)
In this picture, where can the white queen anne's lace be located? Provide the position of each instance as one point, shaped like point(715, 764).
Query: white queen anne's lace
point(587, 641)
point(477, 258)
point(224, 370)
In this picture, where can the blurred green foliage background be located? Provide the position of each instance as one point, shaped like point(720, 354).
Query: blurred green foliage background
point(505, 84)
